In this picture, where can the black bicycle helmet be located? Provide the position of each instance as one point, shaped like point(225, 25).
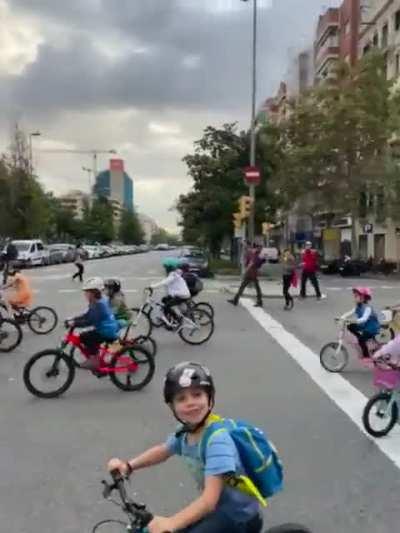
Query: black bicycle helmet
point(113, 285)
point(185, 375)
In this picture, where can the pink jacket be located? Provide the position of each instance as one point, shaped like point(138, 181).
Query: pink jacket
point(391, 349)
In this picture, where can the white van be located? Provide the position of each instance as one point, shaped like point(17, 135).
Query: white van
point(31, 253)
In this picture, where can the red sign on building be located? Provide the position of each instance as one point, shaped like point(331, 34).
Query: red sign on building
point(117, 165)
point(252, 175)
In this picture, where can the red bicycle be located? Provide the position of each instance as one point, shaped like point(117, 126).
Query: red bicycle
point(50, 373)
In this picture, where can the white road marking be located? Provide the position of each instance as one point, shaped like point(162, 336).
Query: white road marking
point(67, 290)
point(212, 291)
point(349, 399)
point(131, 290)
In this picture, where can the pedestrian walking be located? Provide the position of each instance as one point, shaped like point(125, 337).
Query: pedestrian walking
point(9, 257)
point(309, 260)
point(254, 260)
point(289, 277)
point(79, 258)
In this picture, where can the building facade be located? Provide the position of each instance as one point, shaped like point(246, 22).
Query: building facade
point(115, 184)
point(380, 28)
point(326, 44)
point(75, 201)
point(349, 30)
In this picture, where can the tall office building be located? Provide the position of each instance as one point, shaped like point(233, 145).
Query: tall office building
point(115, 184)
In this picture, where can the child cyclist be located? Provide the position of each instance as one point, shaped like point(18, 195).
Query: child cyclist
point(366, 326)
point(189, 392)
point(117, 301)
point(21, 294)
point(104, 326)
point(177, 292)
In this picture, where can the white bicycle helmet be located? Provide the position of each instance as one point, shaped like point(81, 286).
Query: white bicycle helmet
point(92, 284)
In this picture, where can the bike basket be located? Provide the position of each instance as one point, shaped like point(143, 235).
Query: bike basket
point(386, 378)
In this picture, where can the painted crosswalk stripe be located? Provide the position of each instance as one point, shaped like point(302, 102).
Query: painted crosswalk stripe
point(349, 399)
point(68, 290)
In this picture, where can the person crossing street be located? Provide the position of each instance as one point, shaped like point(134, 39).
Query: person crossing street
point(254, 260)
point(309, 259)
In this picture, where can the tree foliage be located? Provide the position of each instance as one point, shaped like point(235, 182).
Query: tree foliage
point(130, 229)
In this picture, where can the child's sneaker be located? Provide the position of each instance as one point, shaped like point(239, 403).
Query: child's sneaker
point(92, 363)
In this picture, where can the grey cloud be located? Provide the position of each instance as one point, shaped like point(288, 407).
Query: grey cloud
point(81, 77)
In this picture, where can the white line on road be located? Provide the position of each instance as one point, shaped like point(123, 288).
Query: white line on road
point(68, 290)
point(131, 290)
point(349, 399)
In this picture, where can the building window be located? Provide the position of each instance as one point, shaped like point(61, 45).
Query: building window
point(397, 20)
point(366, 49)
point(376, 40)
point(347, 28)
point(385, 31)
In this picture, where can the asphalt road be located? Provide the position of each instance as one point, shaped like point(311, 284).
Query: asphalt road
point(53, 452)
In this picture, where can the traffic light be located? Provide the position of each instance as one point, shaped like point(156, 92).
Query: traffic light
point(245, 205)
point(237, 220)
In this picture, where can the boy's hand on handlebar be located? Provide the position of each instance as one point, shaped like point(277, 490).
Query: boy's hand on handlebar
point(161, 524)
point(116, 464)
point(69, 323)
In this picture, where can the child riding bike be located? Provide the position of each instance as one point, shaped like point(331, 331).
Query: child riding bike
point(192, 280)
point(99, 315)
point(21, 292)
point(116, 299)
point(177, 292)
point(366, 326)
point(189, 392)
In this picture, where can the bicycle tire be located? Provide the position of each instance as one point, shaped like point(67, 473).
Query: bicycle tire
point(3, 309)
point(4, 335)
point(98, 528)
point(289, 528)
point(148, 343)
point(324, 361)
point(139, 355)
point(146, 323)
point(394, 415)
point(35, 314)
point(34, 359)
point(206, 307)
point(209, 322)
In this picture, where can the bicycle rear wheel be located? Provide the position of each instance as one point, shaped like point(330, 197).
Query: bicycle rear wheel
point(133, 368)
point(380, 415)
point(42, 320)
point(48, 374)
point(10, 335)
point(111, 526)
point(200, 330)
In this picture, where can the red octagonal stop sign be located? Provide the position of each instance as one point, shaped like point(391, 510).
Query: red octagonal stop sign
point(252, 175)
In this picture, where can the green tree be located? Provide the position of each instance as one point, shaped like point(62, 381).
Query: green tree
point(161, 236)
point(216, 167)
point(334, 144)
point(98, 223)
point(130, 229)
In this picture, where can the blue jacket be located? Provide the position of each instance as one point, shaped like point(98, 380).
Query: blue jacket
point(372, 325)
point(100, 316)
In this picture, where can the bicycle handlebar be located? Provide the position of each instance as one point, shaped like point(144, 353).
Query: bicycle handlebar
point(385, 360)
point(137, 511)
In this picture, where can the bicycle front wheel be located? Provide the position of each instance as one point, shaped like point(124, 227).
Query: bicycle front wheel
point(197, 327)
point(111, 526)
point(380, 414)
point(10, 335)
point(48, 374)
point(148, 343)
point(333, 357)
point(42, 320)
point(133, 368)
point(205, 306)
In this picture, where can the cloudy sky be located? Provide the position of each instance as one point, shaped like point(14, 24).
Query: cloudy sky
point(143, 77)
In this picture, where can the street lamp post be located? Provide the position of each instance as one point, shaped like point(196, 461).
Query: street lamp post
point(252, 188)
point(33, 134)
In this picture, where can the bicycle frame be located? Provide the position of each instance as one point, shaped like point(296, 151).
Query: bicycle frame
point(104, 355)
point(346, 338)
point(150, 303)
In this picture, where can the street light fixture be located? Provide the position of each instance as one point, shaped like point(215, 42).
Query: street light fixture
point(33, 134)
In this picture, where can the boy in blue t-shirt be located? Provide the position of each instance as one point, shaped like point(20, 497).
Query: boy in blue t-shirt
point(189, 391)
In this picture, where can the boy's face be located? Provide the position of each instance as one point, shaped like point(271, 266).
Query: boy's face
point(191, 405)
point(90, 297)
point(358, 298)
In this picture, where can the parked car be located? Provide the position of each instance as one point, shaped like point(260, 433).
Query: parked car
point(67, 251)
point(56, 256)
point(196, 259)
point(92, 251)
point(31, 253)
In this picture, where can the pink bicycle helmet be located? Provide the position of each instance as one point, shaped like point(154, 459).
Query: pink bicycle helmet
point(363, 291)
